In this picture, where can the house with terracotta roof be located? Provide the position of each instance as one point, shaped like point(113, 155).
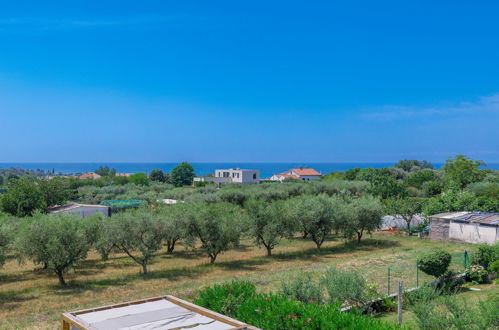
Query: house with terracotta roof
point(89, 175)
point(301, 173)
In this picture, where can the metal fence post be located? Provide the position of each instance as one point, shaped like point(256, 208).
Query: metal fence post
point(400, 301)
point(388, 280)
point(466, 260)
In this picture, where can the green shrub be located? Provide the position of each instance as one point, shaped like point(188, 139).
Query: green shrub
point(269, 311)
point(277, 312)
point(494, 266)
point(435, 263)
point(304, 289)
point(485, 255)
point(477, 273)
point(453, 312)
point(450, 282)
point(423, 294)
point(225, 298)
point(345, 286)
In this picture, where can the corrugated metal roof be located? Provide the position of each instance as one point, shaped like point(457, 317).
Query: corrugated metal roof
point(486, 218)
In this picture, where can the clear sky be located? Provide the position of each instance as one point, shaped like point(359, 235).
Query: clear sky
point(306, 81)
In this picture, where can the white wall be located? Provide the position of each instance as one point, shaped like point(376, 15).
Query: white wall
point(473, 233)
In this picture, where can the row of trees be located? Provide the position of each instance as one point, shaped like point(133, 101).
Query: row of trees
point(181, 175)
point(59, 243)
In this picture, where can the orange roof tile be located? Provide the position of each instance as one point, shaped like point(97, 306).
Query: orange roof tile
point(305, 171)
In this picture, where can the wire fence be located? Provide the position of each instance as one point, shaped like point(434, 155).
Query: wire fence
point(412, 276)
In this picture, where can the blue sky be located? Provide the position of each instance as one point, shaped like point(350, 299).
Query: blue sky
point(306, 81)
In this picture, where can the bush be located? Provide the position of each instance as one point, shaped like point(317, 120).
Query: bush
point(225, 298)
point(450, 282)
point(269, 311)
point(435, 263)
point(304, 289)
point(345, 286)
point(477, 273)
point(494, 266)
point(485, 255)
point(451, 312)
point(423, 294)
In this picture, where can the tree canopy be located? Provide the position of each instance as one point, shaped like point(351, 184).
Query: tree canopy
point(462, 171)
point(182, 175)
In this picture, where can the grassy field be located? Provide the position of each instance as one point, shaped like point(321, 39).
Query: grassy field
point(32, 298)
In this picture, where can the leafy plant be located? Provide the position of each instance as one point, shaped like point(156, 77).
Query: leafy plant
point(477, 273)
point(494, 266)
point(485, 254)
point(435, 263)
point(225, 298)
point(453, 312)
point(269, 311)
point(423, 294)
point(303, 288)
point(450, 282)
point(345, 286)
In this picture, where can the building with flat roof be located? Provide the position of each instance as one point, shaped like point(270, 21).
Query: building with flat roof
point(232, 175)
point(469, 227)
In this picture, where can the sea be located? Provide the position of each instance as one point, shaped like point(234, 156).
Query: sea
point(266, 169)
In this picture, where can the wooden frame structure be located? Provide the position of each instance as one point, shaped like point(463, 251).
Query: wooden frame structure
point(71, 319)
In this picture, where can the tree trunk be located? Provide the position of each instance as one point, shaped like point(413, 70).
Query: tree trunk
point(45, 265)
point(269, 251)
point(409, 228)
point(170, 247)
point(305, 234)
point(359, 236)
point(212, 258)
point(318, 245)
point(61, 278)
point(144, 269)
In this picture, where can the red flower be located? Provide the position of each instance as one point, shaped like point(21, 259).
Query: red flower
point(309, 319)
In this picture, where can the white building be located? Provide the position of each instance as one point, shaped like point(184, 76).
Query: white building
point(232, 175)
point(469, 227)
point(301, 173)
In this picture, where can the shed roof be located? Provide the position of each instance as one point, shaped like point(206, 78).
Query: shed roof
point(486, 218)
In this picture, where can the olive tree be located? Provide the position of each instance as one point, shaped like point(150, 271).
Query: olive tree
point(137, 233)
point(315, 215)
point(361, 215)
point(59, 242)
point(404, 208)
point(5, 238)
point(216, 225)
point(268, 223)
point(174, 219)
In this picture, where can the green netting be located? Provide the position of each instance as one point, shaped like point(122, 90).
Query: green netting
point(123, 204)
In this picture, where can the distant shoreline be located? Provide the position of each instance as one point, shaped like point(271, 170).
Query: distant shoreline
point(266, 168)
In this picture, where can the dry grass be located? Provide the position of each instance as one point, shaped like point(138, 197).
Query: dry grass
point(32, 298)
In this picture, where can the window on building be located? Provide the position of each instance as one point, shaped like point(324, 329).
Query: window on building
point(254, 176)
